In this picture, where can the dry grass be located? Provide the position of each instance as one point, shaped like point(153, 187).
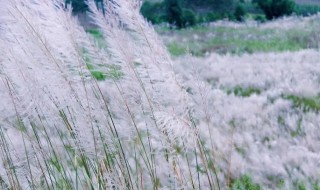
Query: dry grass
point(161, 124)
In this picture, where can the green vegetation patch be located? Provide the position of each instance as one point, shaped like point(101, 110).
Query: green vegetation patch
point(200, 40)
point(176, 49)
point(276, 181)
point(299, 185)
point(299, 130)
point(244, 91)
point(305, 103)
point(240, 46)
point(245, 183)
point(113, 72)
point(99, 75)
point(96, 33)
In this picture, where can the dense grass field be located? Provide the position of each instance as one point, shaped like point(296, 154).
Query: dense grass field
point(225, 37)
point(126, 106)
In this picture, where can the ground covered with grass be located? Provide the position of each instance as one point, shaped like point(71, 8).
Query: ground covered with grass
point(227, 37)
point(263, 111)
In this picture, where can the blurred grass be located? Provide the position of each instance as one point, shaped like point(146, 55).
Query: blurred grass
point(201, 40)
point(176, 50)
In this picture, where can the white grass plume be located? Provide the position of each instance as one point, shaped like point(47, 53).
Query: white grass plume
point(106, 131)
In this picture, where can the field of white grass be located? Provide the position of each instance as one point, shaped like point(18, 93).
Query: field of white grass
point(262, 112)
point(110, 108)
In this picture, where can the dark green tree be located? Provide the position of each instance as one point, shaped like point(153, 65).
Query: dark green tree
point(178, 15)
point(77, 5)
point(275, 8)
point(154, 12)
point(174, 12)
point(239, 13)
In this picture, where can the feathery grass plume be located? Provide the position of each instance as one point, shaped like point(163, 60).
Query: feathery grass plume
point(61, 128)
point(82, 112)
point(49, 102)
point(146, 85)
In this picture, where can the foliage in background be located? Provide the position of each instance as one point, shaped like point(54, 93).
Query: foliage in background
point(239, 13)
point(183, 13)
point(275, 8)
point(237, 38)
point(154, 12)
point(80, 6)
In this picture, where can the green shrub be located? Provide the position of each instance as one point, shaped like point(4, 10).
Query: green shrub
point(173, 11)
point(275, 8)
point(181, 13)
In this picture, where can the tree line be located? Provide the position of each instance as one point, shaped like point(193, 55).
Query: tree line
point(183, 13)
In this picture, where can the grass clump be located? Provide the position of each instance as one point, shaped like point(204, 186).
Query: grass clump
point(300, 185)
point(316, 186)
point(176, 49)
point(299, 130)
point(245, 183)
point(244, 92)
point(305, 103)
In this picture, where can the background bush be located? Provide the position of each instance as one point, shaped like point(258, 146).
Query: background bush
point(275, 8)
point(239, 13)
point(184, 13)
point(153, 12)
